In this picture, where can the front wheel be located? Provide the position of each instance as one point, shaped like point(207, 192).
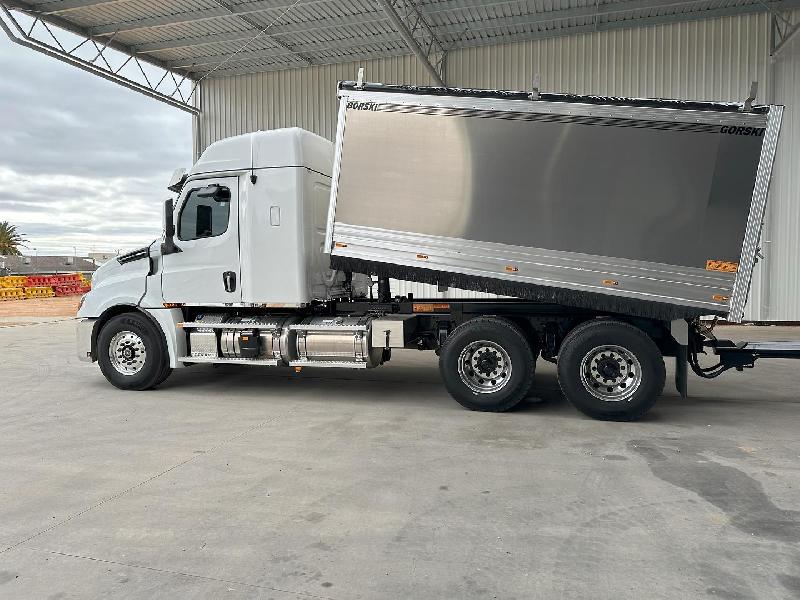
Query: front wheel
point(610, 370)
point(132, 353)
point(487, 364)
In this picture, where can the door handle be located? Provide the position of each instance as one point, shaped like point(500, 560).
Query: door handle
point(229, 279)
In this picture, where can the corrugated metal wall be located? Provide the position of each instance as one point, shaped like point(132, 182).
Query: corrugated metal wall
point(779, 298)
point(301, 97)
point(704, 60)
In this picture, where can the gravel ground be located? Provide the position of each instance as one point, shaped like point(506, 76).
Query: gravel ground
point(14, 313)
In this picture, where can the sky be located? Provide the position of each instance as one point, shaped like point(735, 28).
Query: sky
point(84, 163)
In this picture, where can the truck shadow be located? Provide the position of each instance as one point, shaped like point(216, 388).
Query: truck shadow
point(401, 384)
point(416, 383)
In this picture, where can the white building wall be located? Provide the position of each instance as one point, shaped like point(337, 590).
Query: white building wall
point(703, 60)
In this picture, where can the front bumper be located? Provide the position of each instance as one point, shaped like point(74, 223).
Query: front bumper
point(83, 339)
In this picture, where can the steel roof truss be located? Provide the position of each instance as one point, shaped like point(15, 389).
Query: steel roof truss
point(409, 21)
point(782, 31)
point(55, 45)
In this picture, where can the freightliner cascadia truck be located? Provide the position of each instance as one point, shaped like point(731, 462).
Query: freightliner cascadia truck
point(610, 229)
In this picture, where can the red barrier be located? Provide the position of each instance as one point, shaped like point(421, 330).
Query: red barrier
point(65, 279)
point(37, 281)
point(53, 280)
point(69, 289)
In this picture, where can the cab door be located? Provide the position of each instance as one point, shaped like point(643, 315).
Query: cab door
point(206, 269)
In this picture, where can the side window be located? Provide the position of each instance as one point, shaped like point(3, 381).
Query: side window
point(203, 217)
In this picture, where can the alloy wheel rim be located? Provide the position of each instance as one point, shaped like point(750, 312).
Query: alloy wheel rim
point(611, 373)
point(484, 367)
point(127, 353)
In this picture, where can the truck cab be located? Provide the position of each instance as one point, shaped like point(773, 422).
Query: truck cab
point(248, 230)
point(250, 223)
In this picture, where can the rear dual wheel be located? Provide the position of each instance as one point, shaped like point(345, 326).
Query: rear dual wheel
point(610, 370)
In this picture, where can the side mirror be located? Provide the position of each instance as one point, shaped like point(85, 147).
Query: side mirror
point(169, 247)
point(217, 192)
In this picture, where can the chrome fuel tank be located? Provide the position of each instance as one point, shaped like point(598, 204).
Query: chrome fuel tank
point(336, 342)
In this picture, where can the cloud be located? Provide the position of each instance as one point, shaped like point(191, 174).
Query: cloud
point(83, 162)
point(59, 212)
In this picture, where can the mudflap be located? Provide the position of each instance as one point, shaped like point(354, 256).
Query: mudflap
point(682, 371)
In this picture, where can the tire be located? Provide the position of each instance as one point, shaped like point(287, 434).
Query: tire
point(499, 349)
point(610, 370)
point(165, 373)
point(141, 355)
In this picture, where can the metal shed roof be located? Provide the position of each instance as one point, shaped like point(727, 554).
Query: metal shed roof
point(216, 38)
point(31, 265)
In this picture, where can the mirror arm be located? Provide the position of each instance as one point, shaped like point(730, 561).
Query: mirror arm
point(169, 247)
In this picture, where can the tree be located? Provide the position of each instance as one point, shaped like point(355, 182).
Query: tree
point(10, 239)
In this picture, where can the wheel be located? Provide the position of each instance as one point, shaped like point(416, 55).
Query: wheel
point(132, 353)
point(487, 364)
point(610, 370)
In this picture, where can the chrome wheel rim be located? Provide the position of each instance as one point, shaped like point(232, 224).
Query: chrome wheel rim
point(127, 353)
point(611, 373)
point(484, 367)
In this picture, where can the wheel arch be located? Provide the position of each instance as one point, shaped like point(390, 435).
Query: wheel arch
point(116, 310)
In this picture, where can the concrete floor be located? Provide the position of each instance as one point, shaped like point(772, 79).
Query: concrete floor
point(242, 483)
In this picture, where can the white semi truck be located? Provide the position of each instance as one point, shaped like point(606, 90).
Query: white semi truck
point(610, 225)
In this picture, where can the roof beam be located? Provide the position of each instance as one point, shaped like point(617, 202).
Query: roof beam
point(198, 41)
point(699, 15)
point(262, 6)
point(314, 25)
point(418, 36)
point(59, 6)
point(191, 63)
point(162, 21)
point(262, 31)
point(201, 15)
point(291, 28)
point(347, 58)
point(626, 23)
point(572, 13)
